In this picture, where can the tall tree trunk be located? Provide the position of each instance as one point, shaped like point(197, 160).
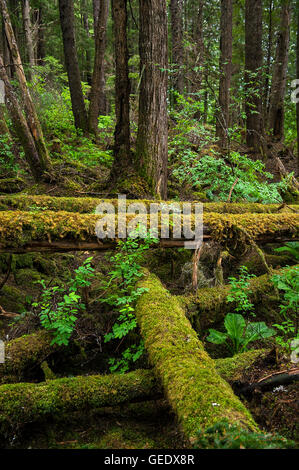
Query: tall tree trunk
point(66, 9)
point(41, 44)
point(152, 139)
point(176, 9)
point(276, 111)
point(253, 72)
point(122, 152)
point(85, 21)
point(31, 115)
point(268, 66)
point(226, 49)
point(28, 34)
point(97, 95)
point(199, 49)
point(36, 164)
point(96, 4)
point(297, 105)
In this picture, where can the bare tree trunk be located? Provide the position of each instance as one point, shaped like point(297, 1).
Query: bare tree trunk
point(32, 119)
point(85, 21)
point(28, 34)
point(66, 9)
point(152, 139)
point(268, 66)
point(253, 72)
point(41, 49)
point(199, 49)
point(36, 164)
point(96, 10)
point(97, 94)
point(276, 111)
point(122, 89)
point(297, 105)
point(226, 48)
point(176, 9)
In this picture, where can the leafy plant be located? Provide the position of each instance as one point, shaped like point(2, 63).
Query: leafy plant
point(239, 334)
point(127, 271)
point(240, 290)
point(291, 248)
point(59, 306)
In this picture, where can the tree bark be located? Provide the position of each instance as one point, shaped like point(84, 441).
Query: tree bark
point(97, 94)
point(268, 66)
point(152, 139)
point(122, 151)
point(278, 89)
point(28, 34)
point(226, 49)
point(297, 105)
point(41, 44)
point(253, 72)
point(66, 9)
point(199, 49)
point(96, 9)
point(41, 154)
point(176, 9)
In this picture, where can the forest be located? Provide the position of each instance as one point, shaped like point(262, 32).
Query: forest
point(149, 224)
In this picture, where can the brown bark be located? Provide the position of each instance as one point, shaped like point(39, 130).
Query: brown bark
point(268, 66)
point(152, 139)
point(66, 9)
point(97, 94)
point(253, 72)
point(122, 89)
point(199, 49)
point(44, 163)
point(85, 21)
point(226, 48)
point(96, 9)
point(278, 89)
point(297, 105)
point(176, 9)
point(28, 34)
point(41, 49)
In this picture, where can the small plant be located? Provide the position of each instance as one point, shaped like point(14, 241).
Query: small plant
point(240, 290)
point(127, 271)
point(224, 435)
point(239, 334)
point(59, 306)
point(291, 248)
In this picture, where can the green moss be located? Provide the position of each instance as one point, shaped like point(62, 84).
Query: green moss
point(11, 185)
point(194, 389)
point(12, 299)
point(232, 369)
point(27, 277)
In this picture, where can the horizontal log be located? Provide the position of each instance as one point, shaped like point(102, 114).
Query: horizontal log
point(209, 305)
point(22, 232)
point(87, 205)
point(194, 389)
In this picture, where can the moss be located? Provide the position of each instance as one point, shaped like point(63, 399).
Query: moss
point(11, 185)
point(27, 277)
point(232, 369)
point(26, 403)
point(12, 299)
point(194, 389)
point(49, 374)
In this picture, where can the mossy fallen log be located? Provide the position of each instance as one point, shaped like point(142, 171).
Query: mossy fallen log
point(23, 354)
point(87, 205)
point(22, 232)
point(209, 305)
point(22, 403)
point(192, 385)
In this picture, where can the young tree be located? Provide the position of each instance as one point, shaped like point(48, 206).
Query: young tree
point(226, 49)
point(34, 126)
point(253, 72)
point(176, 9)
point(97, 94)
point(66, 10)
point(152, 138)
point(278, 89)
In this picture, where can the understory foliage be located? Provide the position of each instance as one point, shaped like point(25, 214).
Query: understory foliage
point(59, 306)
point(124, 294)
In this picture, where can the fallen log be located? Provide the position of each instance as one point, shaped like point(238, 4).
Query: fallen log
point(88, 205)
point(191, 383)
point(275, 379)
point(209, 305)
point(22, 403)
point(22, 232)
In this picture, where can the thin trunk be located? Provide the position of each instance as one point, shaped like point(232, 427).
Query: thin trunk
point(97, 94)
point(21, 127)
point(197, 76)
point(268, 66)
point(278, 90)
point(31, 115)
point(176, 9)
point(66, 9)
point(253, 72)
point(297, 105)
point(28, 34)
point(152, 139)
point(41, 44)
point(88, 73)
point(226, 49)
point(122, 89)
point(96, 9)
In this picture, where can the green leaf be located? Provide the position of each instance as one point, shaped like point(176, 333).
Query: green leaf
point(216, 337)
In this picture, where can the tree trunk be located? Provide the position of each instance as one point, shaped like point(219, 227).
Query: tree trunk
point(268, 66)
point(199, 49)
point(66, 9)
point(276, 111)
point(226, 49)
point(41, 49)
point(97, 94)
point(253, 72)
point(44, 163)
point(85, 21)
point(28, 34)
point(176, 9)
point(297, 105)
point(152, 139)
point(96, 9)
point(122, 89)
